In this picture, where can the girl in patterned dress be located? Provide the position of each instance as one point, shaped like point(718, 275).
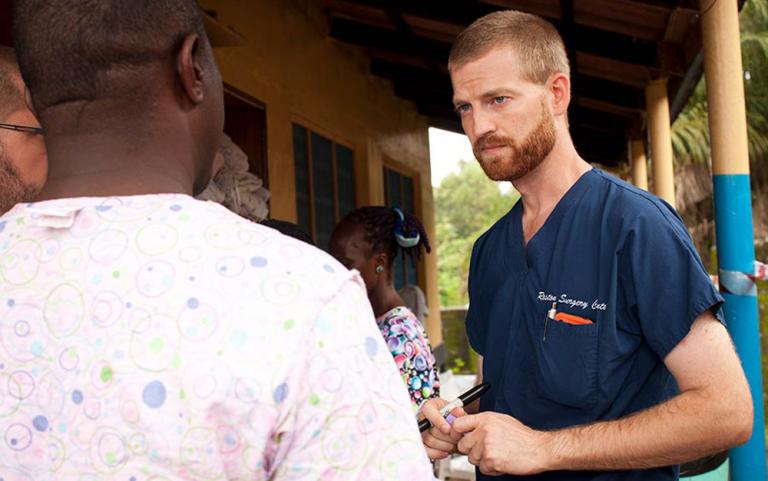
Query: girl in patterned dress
point(369, 239)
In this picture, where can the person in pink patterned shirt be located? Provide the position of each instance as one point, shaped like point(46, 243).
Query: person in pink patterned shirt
point(146, 335)
point(369, 239)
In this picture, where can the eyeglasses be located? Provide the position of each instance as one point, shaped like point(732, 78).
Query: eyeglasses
point(22, 128)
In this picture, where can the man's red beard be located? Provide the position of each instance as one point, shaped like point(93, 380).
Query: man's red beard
point(516, 161)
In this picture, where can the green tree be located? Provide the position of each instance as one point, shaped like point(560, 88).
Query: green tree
point(467, 204)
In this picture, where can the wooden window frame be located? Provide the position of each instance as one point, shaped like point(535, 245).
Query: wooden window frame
point(256, 104)
point(309, 129)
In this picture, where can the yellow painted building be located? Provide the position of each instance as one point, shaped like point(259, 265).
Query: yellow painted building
point(286, 78)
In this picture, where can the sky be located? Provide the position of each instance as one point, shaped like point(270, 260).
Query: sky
point(446, 149)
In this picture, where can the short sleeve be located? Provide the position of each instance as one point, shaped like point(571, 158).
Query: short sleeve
point(350, 417)
point(663, 280)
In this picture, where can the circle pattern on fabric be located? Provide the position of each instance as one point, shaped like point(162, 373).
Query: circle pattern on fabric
point(18, 437)
point(154, 394)
point(107, 309)
point(21, 385)
point(155, 278)
point(197, 322)
point(10, 395)
point(280, 290)
point(23, 333)
point(71, 258)
point(109, 452)
point(19, 264)
point(108, 246)
point(156, 239)
point(230, 266)
point(64, 310)
point(199, 454)
point(342, 441)
point(154, 348)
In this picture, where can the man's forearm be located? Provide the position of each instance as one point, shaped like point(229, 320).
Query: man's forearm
point(684, 428)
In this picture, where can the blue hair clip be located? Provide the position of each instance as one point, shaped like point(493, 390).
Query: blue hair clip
point(400, 236)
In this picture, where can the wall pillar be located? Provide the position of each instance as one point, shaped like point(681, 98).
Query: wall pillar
point(639, 163)
point(657, 104)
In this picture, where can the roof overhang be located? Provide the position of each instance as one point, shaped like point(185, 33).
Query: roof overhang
point(616, 47)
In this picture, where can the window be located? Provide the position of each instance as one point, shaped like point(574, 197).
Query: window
point(399, 192)
point(325, 183)
point(245, 122)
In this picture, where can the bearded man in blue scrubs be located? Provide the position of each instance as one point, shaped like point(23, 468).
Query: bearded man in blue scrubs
point(601, 333)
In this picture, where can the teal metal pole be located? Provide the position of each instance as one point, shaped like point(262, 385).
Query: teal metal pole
point(736, 258)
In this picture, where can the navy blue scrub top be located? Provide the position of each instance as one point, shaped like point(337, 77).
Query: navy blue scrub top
point(619, 259)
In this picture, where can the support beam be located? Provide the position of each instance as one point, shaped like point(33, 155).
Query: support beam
point(373, 30)
point(632, 18)
point(639, 163)
point(585, 39)
point(733, 213)
point(638, 19)
point(622, 72)
point(661, 140)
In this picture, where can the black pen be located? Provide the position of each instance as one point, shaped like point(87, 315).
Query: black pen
point(459, 402)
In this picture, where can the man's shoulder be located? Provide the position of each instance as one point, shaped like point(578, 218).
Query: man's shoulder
point(630, 199)
point(268, 254)
point(174, 234)
point(632, 207)
point(639, 215)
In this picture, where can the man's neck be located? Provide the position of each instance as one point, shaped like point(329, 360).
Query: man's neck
point(113, 184)
point(135, 161)
point(542, 188)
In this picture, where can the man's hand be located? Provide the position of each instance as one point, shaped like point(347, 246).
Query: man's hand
point(439, 440)
point(500, 444)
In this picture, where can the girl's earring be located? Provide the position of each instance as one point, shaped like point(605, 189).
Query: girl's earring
point(379, 269)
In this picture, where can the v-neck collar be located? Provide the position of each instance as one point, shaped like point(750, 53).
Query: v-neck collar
point(525, 255)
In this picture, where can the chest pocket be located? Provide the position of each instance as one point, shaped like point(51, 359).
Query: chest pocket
point(566, 364)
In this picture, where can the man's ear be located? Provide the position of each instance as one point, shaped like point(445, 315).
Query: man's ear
point(189, 70)
point(560, 88)
point(28, 101)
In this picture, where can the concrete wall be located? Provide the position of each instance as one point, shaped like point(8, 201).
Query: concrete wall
point(288, 62)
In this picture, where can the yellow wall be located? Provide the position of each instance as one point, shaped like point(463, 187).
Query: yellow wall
point(290, 64)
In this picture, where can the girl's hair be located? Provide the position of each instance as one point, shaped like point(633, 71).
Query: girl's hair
point(392, 231)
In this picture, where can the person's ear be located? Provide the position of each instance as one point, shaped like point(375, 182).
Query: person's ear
point(189, 70)
point(560, 89)
point(382, 260)
point(28, 101)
